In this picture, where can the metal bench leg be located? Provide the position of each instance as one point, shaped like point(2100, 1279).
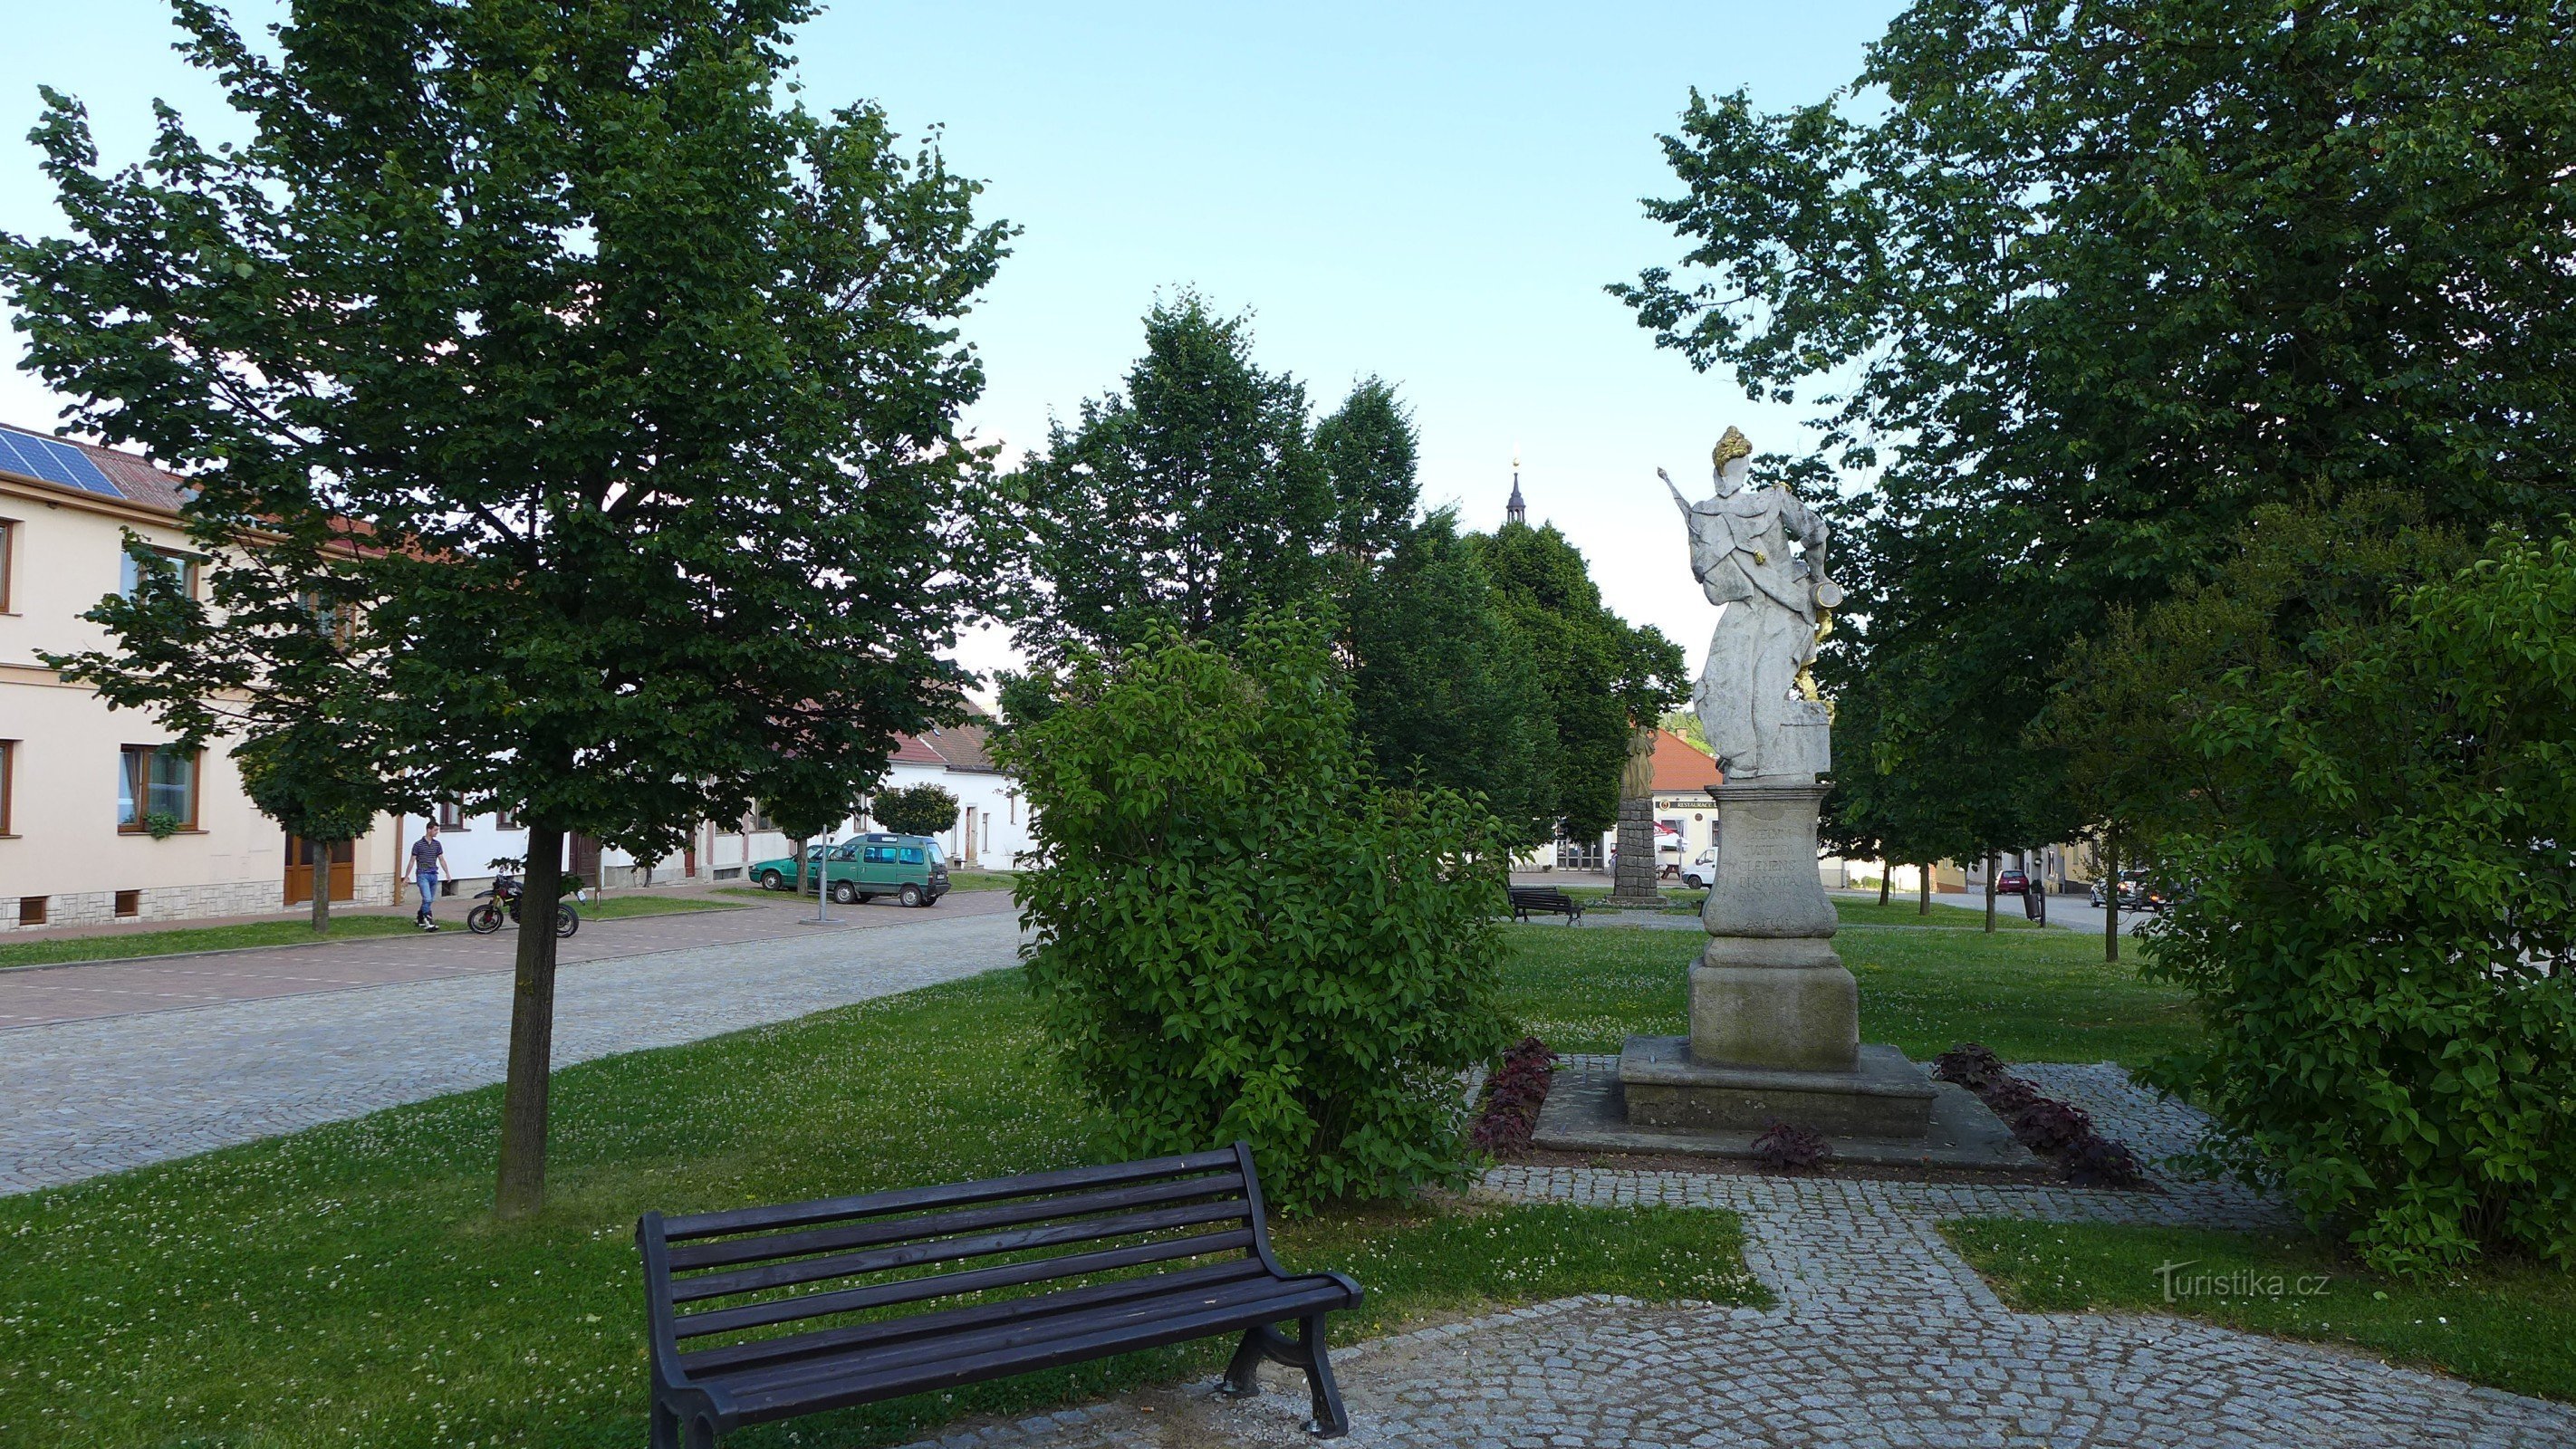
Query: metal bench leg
point(666, 1426)
point(702, 1433)
point(1332, 1421)
point(1243, 1374)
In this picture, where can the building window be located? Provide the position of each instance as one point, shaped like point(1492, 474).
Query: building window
point(505, 820)
point(760, 819)
point(451, 816)
point(8, 779)
point(156, 780)
point(8, 551)
point(31, 910)
point(129, 904)
point(178, 564)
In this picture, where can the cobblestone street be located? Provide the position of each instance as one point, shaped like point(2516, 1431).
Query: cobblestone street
point(1883, 1337)
point(99, 1095)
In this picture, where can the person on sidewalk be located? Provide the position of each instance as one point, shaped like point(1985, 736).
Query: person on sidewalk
point(428, 859)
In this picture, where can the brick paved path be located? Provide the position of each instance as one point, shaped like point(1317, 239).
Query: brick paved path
point(84, 1097)
point(35, 995)
point(1883, 1337)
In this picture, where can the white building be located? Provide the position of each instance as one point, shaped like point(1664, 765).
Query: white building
point(102, 818)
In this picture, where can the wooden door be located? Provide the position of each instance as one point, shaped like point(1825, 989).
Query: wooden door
point(585, 860)
point(299, 870)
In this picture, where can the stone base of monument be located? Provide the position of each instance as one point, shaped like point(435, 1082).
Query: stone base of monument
point(1883, 1095)
point(1588, 1111)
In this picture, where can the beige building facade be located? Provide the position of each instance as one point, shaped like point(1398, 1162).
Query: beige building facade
point(101, 819)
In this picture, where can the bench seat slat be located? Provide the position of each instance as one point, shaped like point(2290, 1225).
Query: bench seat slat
point(971, 1361)
point(787, 1348)
point(1263, 1300)
point(726, 1252)
point(942, 1285)
point(960, 1194)
point(945, 1250)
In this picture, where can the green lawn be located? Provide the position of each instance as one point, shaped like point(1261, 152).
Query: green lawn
point(122, 945)
point(298, 932)
point(2034, 995)
point(2511, 1326)
point(345, 1285)
point(1866, 911)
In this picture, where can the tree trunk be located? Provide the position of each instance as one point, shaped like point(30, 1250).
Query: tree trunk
point(1992, 860)
point(1886, 870)
point(1923, 886)
point(320, 854)
point(800, 863)
point(532, 1027)
point(2110, 896)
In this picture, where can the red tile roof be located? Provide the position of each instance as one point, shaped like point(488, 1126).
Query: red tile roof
point(1682, 767)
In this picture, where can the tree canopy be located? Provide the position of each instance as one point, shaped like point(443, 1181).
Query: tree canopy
point(1191, 496)
point(2087, 286)
point(581, 363)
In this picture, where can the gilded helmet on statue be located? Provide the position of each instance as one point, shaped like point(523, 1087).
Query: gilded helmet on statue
point(1729, 448)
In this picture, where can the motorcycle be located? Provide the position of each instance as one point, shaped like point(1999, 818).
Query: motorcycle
point(503, 898)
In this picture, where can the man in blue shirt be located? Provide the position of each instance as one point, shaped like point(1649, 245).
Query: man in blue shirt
point(427, 859)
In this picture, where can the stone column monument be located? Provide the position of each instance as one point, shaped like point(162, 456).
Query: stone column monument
point(1774, 1015)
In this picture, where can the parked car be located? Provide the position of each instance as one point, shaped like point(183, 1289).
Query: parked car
point(2135, 893)
point(1700, 874)
point(2012, 883)
point(910, 868)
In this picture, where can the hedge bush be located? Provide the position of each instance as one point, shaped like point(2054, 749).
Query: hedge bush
point(1241, 932)
point(2381, 914)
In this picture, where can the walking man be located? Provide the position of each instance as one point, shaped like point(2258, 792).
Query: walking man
point(428, 858)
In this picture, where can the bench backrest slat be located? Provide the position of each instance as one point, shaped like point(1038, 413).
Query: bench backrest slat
point(915, 1199)
point(691, 1257)
point(950, 1249)
point(977, 1280)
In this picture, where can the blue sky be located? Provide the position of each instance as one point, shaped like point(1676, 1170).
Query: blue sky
point(1432, 193)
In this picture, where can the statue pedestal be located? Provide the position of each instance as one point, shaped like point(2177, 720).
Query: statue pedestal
point(1774, 1016)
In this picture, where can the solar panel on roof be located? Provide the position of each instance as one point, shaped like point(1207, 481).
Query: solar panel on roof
point(53, 461)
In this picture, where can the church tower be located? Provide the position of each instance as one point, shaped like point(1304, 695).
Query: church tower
point(1516, 511)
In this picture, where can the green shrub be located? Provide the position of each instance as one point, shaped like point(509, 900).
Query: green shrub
point(1243, 934)
point(2380, 933)
point(923, 809)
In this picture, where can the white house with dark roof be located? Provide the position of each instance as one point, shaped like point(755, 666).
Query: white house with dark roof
point(101, 818)
point(991, 831)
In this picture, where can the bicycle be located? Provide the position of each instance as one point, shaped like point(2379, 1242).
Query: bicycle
point(503, 897)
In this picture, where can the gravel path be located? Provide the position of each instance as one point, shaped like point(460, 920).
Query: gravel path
point(79, 1098)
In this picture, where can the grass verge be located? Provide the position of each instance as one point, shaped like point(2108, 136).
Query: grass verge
point(2510, 1326)
point(347, 1285)
point(119, 947)
point(618, 908)
point(2031, 995)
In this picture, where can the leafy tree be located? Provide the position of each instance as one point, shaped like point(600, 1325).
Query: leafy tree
point(578, 361)
point(1369, 451)
point(278, 679)
point(1598, 672)
point(1685, 723)
point(1190, 497)
point(1443, 688)
point(923, 809)
point(1242, 934)
point(2089, 285)
point(2382, 913)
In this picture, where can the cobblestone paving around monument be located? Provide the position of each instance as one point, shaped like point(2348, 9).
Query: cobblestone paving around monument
point(1883, 1338)
point(84, 1097)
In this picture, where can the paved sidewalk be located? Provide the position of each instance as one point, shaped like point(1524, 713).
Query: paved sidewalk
point(85, 990)
point(79, 1098)
point(1883, 1337)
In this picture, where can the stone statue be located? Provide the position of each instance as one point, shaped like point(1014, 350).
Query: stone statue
point(1754, 699)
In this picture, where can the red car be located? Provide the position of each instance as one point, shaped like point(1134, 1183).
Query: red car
point(2012, 883)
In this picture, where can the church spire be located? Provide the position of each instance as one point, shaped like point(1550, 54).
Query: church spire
point(1516, 511)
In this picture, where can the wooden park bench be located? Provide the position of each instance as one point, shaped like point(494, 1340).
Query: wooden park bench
point(832, 1275)
point(1546, 902)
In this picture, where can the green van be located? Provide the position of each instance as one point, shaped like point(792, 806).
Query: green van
point(910, 868)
